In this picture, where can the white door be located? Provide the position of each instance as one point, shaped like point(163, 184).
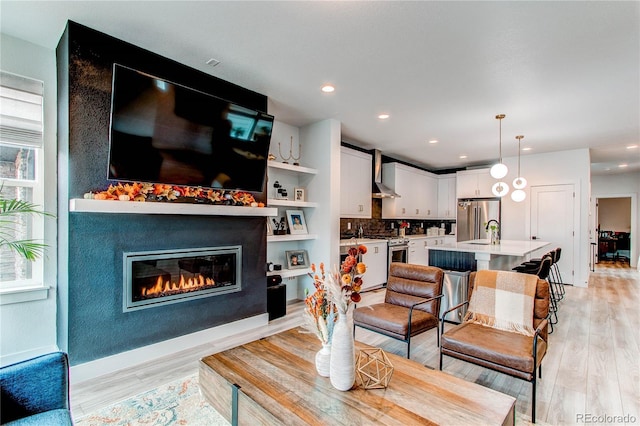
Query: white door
point(553, 220)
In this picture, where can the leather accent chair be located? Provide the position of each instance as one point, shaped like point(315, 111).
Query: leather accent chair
point(411, 304)
point(36, 391)
point(507, 352)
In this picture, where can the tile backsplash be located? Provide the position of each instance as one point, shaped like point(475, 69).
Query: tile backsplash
point(376, 226)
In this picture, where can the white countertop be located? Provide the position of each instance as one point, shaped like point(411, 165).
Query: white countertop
point(353, 241)
point(412, 236)
point(505, 248)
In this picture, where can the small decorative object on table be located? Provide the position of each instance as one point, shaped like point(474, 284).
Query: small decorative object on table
point(374, 369)
point(344, 286)
point(320, 316)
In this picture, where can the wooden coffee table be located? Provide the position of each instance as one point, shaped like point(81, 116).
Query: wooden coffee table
point(274, 381)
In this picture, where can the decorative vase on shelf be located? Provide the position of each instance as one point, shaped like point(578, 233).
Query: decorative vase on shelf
point(342, 368)
point(323, 358)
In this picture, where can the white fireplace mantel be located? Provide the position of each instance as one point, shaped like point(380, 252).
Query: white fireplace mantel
point(80, 205)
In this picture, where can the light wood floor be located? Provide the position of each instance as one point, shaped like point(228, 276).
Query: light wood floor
point(592, 366)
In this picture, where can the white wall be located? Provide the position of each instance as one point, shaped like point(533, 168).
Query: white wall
point(29, 328)
point(621, 185)
point(563, 167)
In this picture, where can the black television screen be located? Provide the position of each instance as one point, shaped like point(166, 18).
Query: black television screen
point(163, 132)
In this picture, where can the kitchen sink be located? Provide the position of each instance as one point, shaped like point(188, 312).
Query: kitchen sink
point(479, 243)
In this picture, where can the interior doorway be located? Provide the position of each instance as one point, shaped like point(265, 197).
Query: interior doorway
point(613, 229)
point(553, 219)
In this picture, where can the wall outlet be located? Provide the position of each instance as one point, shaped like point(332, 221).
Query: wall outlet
point(349, 225)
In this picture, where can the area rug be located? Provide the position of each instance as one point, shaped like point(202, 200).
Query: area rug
point(176, 403)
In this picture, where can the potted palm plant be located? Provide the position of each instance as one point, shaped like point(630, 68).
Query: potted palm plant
point(11, 210)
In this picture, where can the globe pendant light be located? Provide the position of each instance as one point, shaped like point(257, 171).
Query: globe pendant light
point(519, 183)
point(499, 170)
point(500, 189)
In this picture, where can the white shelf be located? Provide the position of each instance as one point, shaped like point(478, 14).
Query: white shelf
point(291, 167)
point(81, 205)
point(286, 273)
point(290, 237)
point(290, 203)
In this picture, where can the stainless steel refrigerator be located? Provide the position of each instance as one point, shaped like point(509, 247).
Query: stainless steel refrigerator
point(473, 215)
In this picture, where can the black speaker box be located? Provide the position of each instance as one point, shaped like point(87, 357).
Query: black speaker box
point(277, 301)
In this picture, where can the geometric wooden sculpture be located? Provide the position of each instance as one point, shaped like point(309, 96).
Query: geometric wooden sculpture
point(373, 369)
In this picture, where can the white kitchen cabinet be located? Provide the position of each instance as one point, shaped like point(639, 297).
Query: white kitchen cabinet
point(355, 183)
point(418, 192)
point(376, 261)
point(447, 197)
point(418, 251)
point(474, 184)
point(430, 209)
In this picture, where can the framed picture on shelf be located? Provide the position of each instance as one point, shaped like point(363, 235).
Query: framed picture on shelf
point(297, 224)
point(297, 259)
point(269, 227)
point(298, 194)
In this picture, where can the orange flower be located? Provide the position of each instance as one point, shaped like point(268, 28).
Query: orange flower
point(346, 279)
point(361, 268)
point(362, 249)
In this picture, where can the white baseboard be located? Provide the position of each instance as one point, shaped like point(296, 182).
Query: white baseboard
point(109, 364)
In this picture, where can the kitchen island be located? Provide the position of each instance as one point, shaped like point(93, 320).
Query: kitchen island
point(503, 256)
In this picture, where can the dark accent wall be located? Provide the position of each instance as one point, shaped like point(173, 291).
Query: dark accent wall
point(91, 324)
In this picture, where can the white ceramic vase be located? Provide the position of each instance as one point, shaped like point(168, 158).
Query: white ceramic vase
point(342, 367)
point(323, 358)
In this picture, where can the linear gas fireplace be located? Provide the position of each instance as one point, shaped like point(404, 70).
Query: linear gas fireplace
point(154, 278)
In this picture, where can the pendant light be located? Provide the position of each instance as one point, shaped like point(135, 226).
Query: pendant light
point(500, 189)
point(499, 170)
point(519, 183)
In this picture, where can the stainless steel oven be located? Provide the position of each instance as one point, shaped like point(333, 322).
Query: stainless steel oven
point(398, 250)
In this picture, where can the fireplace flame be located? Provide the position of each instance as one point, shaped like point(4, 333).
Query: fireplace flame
point(183, 285)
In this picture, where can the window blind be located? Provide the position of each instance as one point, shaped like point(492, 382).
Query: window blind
point(21, 101)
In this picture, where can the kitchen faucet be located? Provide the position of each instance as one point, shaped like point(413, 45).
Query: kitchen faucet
point(489, 223)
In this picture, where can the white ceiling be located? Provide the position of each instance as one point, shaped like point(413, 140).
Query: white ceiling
point(566, 74)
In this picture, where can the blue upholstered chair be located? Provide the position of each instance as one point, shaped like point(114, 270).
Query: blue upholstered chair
point(36, 391)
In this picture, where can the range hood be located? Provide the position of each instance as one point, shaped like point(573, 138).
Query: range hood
point(379, 189)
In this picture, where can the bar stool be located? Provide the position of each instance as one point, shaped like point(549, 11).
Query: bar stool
point(559, 283)
point(543, 269)
point(555, 279)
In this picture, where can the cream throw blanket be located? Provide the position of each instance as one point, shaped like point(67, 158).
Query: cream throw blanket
point(503, 300)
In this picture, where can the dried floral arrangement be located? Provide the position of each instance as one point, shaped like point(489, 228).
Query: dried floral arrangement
point(160, 192)
point(344, 284)
point(320, 313)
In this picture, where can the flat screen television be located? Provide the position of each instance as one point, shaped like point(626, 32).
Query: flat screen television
point(163, 132)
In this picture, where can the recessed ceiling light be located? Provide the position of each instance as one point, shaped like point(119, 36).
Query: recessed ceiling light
point(462, 157)
point(526, 149)
point(383, 116)
point(432, 141)
point(212, 62)
point(632, 146)
point(622, 165)
point(328, 88)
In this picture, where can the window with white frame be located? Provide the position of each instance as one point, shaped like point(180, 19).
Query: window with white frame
point(21, 171)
